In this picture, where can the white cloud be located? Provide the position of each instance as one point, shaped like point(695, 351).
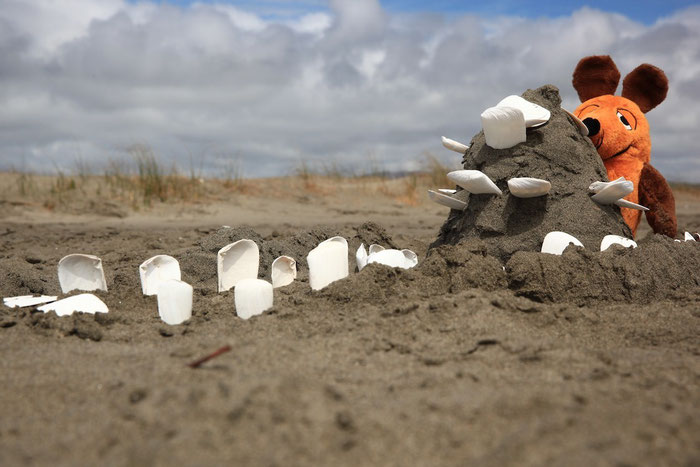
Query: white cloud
point(213, 80)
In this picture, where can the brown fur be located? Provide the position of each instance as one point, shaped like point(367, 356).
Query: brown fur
point(626, 152)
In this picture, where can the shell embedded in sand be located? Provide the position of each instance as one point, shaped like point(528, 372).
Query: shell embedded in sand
point(474, 181)
point(157, 269)
point(361, 257)
point(174, 301)
point(610, 240)
point(447, 200)
point(582, 128)
point(623, 203)
point(504, 127)
point(83, 303)
point(556, 242)
point(284, 271)
point(535, 115)
point(328, 262)
point(27, 300)
point(526, 187)
point(374, 248)
point(689, 237)
point(81, 272)
point(252, 297)
point(237, 261)
point(404, 259)
point(609, 192)
point(455, 146)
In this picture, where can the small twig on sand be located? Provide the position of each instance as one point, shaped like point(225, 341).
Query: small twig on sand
point(216, 353)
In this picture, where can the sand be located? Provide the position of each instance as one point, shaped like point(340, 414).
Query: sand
point(585, 359)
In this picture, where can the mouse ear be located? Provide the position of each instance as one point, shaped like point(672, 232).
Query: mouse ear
point(646, 86)
point(595, 76)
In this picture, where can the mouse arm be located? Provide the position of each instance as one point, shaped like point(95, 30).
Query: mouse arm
point(655, 194)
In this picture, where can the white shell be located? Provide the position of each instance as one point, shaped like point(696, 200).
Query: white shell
point(374, 248)
point(447, 200)
point(447, 191)
point(582, 128)
point(556, 242)
point(609, 240)
point(236, 261)
point(27, 300)
point(405, 259)
point(534, 114)
point(474, 181)
point(455, 146)
point(284, 271)
point(689, 237)
point(252, 297)
point(526, 187)
point(609, 192)
point(623, 203)
point(81, 272)
point(174, 301)
point(328, 262)
point(83, 303)
point(157, 269)
point(361, 257)
point(504, 127)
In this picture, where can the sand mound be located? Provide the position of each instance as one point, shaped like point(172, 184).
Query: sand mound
point(556, 152)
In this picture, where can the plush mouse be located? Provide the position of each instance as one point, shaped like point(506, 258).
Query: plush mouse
point(620, 132)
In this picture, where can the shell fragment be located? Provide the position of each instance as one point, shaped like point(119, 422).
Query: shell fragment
point(504, 127)
point(236, 261)
point(447, 200)
point(474, 181)
point(526, 187)
point(455, 146)
point(689, 237)
point(156, 270)
point(361, 257)
point(404, 259)
point(328, 262)
point(609, 192)
point(174, 301)
point(582, 128)
point(623, 203)
point(284, 271)
point(83, 303)
point(534, 114)
point(27, 300)
point(610, 240)
point(252, 297)
point(81, 272)
point(556, 242)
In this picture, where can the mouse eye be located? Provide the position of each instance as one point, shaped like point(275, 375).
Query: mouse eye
point(624, 121)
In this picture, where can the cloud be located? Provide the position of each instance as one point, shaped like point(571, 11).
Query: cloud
point(217, 82)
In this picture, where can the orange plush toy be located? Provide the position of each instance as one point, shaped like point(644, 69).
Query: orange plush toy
point(620, 132)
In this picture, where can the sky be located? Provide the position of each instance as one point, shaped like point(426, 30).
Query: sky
point(264, 85)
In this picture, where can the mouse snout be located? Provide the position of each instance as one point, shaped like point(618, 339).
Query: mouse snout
point(593, 126)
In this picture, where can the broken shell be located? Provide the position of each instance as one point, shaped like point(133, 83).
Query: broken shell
point(623, 203)
point(582, 128)
point(328, 262)
point(612, 191)
point(252, 297)
point(446, 200)
point(174, 301)
point(361, 257)
point(83, 303)
point(474, 181)
point(158, 269)
point(689, 237)
point(556, 242)
point(525, 187)
point(81, 272)
point(374, 248)
point(284, 271)
point(535, 115)
point(455, 146)
point(609, 240)
point(27, 300)
point(404, 259)
point(504, 127)
point(447, 191)
point(237, 261)
point(596, 187)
